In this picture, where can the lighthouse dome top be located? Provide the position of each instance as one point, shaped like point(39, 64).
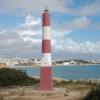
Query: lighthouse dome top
point(46, 9)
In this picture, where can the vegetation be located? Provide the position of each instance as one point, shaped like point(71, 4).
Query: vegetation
point(70, 85)
point(11, 77)
point(94, 94)
point(1, 97)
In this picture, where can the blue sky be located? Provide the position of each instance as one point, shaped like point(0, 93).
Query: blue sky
point(75, 28)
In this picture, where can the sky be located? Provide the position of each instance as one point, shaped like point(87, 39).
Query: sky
point(75, 28)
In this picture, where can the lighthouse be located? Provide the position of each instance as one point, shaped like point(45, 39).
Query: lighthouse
point(46, 64)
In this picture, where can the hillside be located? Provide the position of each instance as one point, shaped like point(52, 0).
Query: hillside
point(3, 65)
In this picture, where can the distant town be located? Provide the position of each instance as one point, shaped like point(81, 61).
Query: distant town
point(14, 62)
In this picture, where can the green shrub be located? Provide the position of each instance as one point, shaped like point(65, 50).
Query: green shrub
point(10, 77)
point(65, 95)
point(63, 81)
point(94, 94)
point(54, 81)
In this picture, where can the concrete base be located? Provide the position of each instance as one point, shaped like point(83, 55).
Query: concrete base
point(54, 92)
point(37, 92)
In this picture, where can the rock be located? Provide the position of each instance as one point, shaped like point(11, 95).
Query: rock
point(92, 81)
point(98, 81)
point(74, 81)
point(82, 80)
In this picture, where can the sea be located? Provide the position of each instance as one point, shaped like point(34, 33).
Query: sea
point(67, 72)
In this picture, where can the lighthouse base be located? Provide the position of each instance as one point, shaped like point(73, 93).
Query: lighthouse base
point(46, 79)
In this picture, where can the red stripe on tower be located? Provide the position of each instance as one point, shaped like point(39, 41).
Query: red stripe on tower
point(46, 46)
point(46, 19)
point(46, 82)
point(46, 65)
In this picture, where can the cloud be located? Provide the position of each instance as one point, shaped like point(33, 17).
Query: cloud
point(89, 9)
point(30, 29)
point(79, 23)
point(69, 49)
point(13, 45)
point(76, 24)
point(69, 45)
point(24, 7)
point(25, 41)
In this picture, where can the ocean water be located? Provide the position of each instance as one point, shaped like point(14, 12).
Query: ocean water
point(68, 72)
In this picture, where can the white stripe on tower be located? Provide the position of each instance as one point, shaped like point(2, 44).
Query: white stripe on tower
point(46, 60)
point(46, 33)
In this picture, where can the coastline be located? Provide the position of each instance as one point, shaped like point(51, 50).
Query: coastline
point(58, 79)
point(54, 78)
point(52, 65)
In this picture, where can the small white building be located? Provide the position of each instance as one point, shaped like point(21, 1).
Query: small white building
point(35, 61)
point(66, 63)
point(39, 62)
point(72, 62)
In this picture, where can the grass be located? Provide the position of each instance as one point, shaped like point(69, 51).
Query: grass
point(72, 86)
point(61, 84)
point(2, 97)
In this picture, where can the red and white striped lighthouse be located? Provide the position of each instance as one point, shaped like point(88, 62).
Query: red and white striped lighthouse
point(46, 64)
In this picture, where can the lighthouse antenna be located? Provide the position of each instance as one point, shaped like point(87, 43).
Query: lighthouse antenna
point(46, 9)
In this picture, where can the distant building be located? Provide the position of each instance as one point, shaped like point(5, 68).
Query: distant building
point(66, 63)
point(72, 62)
